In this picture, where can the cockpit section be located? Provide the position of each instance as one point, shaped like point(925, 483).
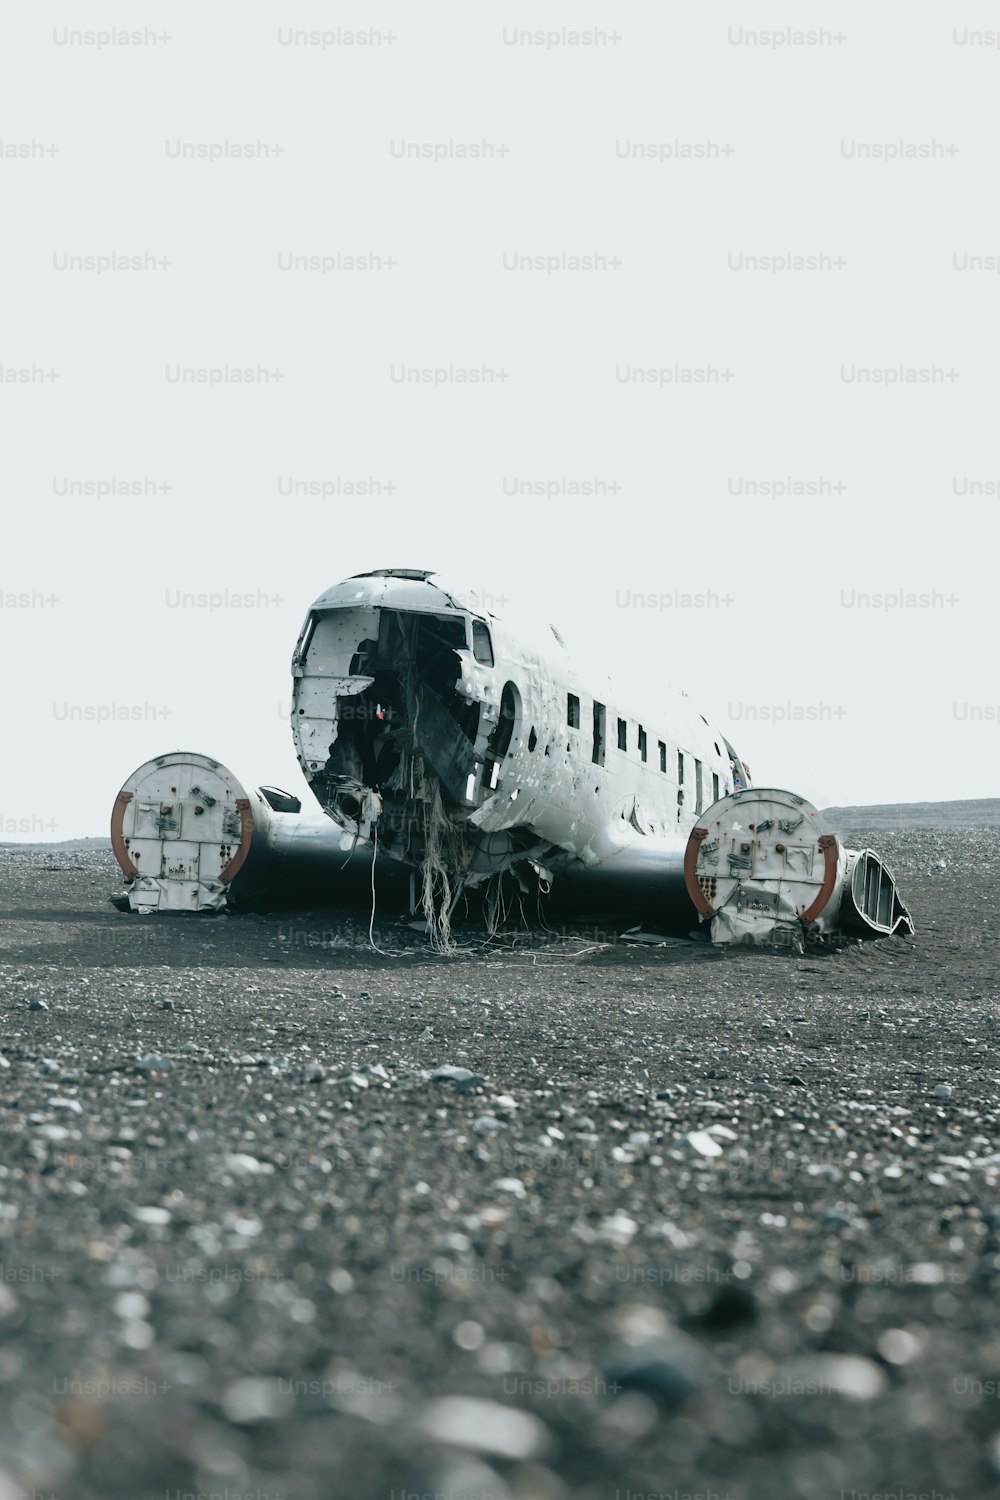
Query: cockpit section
point(411, 671)
point(400, 716)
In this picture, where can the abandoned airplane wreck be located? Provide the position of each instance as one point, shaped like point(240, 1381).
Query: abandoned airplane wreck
point(439, 744)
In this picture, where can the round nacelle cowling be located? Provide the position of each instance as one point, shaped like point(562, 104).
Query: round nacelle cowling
point(761, 863)
point(763, 867)
point(190, 838)
point(181, 830)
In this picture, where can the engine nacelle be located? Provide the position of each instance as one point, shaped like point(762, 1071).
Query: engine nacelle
point(190, 837)
point(763, 868)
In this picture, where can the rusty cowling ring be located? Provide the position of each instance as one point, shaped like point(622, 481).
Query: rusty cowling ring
point(828, 844)
point(694, 843)
point(118, 843)
point(246, 836)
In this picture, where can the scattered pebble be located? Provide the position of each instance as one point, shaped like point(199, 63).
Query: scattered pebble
point(485, 1427)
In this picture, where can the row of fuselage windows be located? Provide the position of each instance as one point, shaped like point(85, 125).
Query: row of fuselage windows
point(641, 742)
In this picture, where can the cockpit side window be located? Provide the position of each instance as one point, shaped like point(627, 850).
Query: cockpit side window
point(482, 646)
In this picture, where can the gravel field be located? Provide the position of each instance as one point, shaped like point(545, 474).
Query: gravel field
point(553, 1219)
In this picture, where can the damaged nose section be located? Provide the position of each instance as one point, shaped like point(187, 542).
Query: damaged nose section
point(762, 867)
point(402, 723)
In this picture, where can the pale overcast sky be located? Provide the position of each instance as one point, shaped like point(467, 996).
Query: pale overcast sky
point(652, 249)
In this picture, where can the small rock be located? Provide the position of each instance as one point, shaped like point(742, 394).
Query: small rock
point(675, 1238)
point(454, 1244)
point(247, 1166)
point(733, 1306)
point(151, 1215)
point(153, 1064)
point(703, 1143)
point(449, 1074)
point(824, 1169)
point(670, 1369)
point(470, 1085)
point(925, 1273)
point(255, 1399)
point(484, 1427)
point(850, 1375)
point(131, 1306)
point(37, 1005)
point(943, 1091)
point(618, 1229)
point(511, 1185)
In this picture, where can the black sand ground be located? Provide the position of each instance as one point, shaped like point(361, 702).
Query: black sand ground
point(250, 1247)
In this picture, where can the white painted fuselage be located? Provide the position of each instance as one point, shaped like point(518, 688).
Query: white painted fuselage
point(421, 720)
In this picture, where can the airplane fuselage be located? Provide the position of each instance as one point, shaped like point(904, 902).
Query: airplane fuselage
point(434, 736)
point(430, 726)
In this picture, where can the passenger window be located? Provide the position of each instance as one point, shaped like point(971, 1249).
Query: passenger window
point(642, 743)
point(572, 711)
point(599, 733)
point(697, 786)
point(663, 757)
point(622, 735)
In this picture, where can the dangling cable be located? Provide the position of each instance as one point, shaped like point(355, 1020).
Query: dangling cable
point(350, 852)
point(371, 921)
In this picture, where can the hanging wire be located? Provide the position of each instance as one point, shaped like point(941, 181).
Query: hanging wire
point(371, 920)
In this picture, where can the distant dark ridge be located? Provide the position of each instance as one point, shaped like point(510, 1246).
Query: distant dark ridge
point(980, 813)
point(101, 842)
point(983, 812)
